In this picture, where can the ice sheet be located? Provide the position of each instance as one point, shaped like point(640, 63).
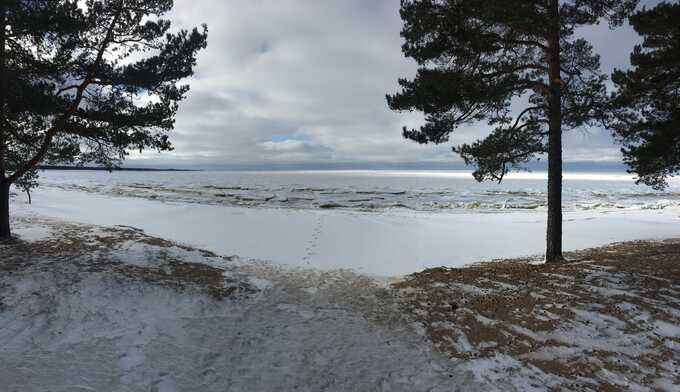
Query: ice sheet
point(379, 244)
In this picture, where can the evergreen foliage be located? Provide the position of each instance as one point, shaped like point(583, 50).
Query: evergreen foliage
point(479, 59)
point(87, 82)
point(647, 102)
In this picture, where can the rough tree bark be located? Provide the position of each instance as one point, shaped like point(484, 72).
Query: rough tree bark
point(554, 227)
point(4, 184)
point(4, 210)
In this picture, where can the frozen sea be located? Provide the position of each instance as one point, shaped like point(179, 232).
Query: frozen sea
point(381, 223)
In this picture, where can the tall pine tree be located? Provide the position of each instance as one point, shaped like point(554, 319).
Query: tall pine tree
point(87, 82)
point(480, 59)
point(647, 102)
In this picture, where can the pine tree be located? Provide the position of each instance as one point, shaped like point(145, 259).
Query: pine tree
point(479, 59)
point(647, 103)
point(87, 82)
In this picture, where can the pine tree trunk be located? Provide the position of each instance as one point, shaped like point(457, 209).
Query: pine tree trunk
point(554, 231)
point(4, 184)
point(554, 234)
point(4, 210)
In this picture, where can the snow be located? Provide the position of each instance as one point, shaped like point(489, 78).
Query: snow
point(668, 330)
point(504, 373)
point(382, 245)
point(32, 233)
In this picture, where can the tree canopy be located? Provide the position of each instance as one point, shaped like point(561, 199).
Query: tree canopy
point(87, 90)
point(490, 61)
point(647, 102)
point(88, 81)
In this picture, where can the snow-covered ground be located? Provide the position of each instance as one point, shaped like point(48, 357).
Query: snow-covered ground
point(84, 308)
point(389, 243)
point(87, 307)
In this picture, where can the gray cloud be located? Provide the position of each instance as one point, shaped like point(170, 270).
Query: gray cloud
point(292, 81)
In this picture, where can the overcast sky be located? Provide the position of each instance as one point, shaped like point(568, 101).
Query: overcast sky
point(297, 81)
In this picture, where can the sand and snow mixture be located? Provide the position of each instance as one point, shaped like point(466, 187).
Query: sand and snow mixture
point(608, 320)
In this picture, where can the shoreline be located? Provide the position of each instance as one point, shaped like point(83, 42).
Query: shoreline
point(380, 245)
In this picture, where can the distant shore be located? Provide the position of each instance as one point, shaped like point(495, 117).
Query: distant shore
point(98, 168)
point(540, 166)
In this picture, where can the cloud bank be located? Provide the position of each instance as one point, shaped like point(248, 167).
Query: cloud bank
point(301, 81)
